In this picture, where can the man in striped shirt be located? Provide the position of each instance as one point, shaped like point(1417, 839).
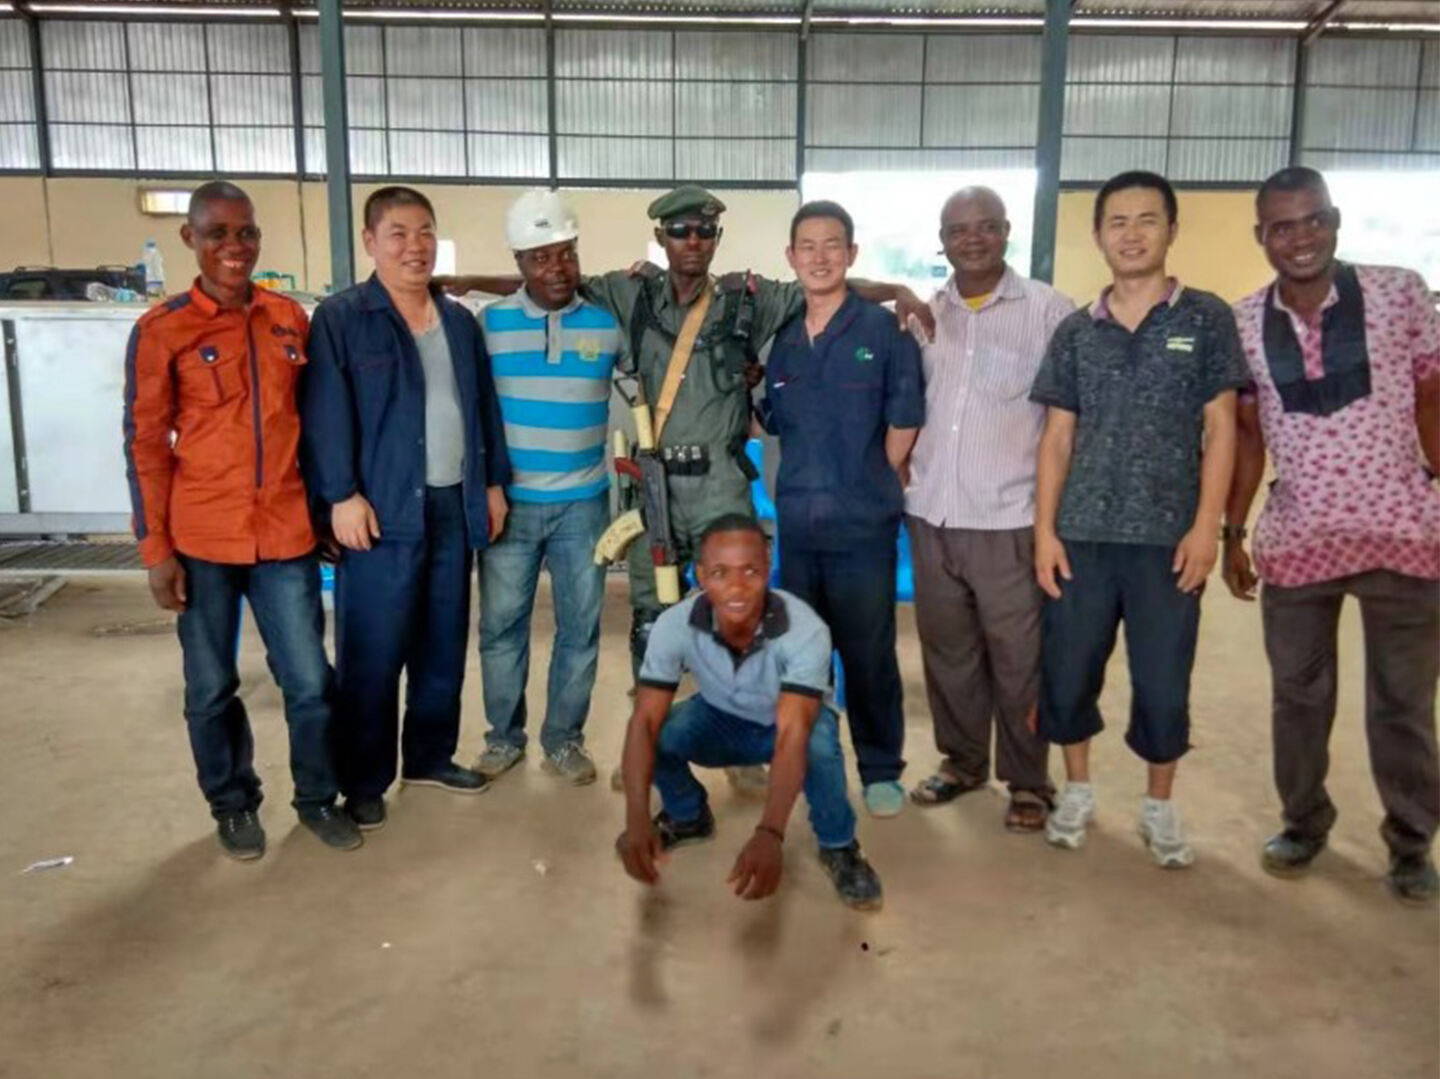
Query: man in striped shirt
point(552, 354)
point(970, 506)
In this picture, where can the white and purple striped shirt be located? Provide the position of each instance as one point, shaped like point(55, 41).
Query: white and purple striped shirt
point(973, 465)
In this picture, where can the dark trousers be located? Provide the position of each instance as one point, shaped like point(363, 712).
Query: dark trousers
point(1401, 616)
point(853, 592)
point(402, 605)
point(1114, 582)
point(285, 600)
point(977, 609)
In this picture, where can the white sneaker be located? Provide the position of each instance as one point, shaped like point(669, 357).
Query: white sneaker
point(1161, 829)
point(1065, 827)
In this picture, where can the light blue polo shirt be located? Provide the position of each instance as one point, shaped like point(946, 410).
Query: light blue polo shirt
point(552, 372)
point(790, 654)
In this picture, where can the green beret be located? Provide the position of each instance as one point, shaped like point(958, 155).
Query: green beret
point(688, 199)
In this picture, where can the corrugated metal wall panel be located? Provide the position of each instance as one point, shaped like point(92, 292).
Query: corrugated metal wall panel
point(911, 160)
point(1225, 160)
point(1085, 160)
point(1231, 110)
point(499, 105)
point(17, 147)
point(80, 146)
point(1430, 70)
point(614, 108)
point(364, 101)
point(238, 47)
point(87, 96)
point(982, 58)
point(416, 153)
point(612, 54)
point(182, 149)
point(1427, 123)
point(167, 46)
point(1348, 62)
point(17, 97)
point(616, 159)
point(526, 156)
point(1353, 119)
point(364, 51)
point(83, 46)
point(1268, 60)
point(1109, 59)
point(367, 153)
point(866, 58)
point(251, 99)
point(425, 50)
point(170, 99)
point(736, 56)
point(839, 115)
point(736, 160)
point(1117, 110)
point(249, 149)
point(743, 108)
point(504, 51)
point(427, 103)
point(14, 44)
point(981, 116)
point(1327, 161)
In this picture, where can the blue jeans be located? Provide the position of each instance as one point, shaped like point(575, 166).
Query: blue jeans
point(695, 732)
point(403, 605)
point(285, 600)
point(563, 536)
point(1114, 582)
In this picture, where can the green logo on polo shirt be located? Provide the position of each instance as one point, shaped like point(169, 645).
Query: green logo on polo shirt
point(589, 349)
point(863, 355)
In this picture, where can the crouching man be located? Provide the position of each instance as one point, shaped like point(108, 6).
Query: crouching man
point(761, 660)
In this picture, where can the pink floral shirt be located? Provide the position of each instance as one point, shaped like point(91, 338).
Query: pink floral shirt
point(1351, 493)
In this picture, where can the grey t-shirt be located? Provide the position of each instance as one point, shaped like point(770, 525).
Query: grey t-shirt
point(1139, 401)
point(790, 654)
point(444, 427)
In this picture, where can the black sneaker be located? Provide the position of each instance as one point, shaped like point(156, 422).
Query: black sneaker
point(367, 813)
point(332, 827)
point(241, 836)
point(1289, 854)
point(450, 777)
point(1413, 879)
point(674, 833)
point(856, 882)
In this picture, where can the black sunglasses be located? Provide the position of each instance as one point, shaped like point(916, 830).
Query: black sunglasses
point(683, 230)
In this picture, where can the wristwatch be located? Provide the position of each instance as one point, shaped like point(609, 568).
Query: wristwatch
point(1233, 532)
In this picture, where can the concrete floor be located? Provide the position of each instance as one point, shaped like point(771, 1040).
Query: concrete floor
point(497, 935)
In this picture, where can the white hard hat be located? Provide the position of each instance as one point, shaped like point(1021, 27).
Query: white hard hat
point(538, 218)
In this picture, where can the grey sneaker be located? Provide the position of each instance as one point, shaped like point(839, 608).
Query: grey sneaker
point(240, 835)
point(498, 759)
point(333, 827)
point(617, 779)
point(1289, 854)
point(1413, 879)
point(1065, 827)
point(749, 780)
point(571, 763)
point(856, 882)
point(1161, 829)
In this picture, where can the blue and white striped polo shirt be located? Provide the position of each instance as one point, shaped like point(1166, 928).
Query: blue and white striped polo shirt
point(552, 371)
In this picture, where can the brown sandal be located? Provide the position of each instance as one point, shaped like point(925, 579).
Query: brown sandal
point(941, 788)
point(1028, 810)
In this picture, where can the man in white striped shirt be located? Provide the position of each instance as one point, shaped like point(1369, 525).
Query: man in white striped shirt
point(970, 505)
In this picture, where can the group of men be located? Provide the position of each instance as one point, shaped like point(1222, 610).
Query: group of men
point(1059, 471)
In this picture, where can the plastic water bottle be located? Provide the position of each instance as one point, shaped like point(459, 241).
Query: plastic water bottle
point(154, 271)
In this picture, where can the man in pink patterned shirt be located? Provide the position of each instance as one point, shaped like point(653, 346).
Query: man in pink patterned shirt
point(1345, 363)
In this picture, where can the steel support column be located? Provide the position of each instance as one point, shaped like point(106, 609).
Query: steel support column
point(1054, 50)
point(337, 145)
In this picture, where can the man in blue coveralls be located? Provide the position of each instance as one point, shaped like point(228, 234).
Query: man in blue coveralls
point(845, 394)
point(405, 452)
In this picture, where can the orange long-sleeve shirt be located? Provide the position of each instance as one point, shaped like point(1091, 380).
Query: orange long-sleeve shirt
point(212, 431)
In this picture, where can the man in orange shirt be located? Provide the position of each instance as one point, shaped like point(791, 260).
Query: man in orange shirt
point(211, 440)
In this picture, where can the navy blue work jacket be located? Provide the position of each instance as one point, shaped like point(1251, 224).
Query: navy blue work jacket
point(362, 410)
point(831, 402)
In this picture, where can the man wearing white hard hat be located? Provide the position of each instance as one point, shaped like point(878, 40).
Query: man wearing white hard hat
point(552, 354)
